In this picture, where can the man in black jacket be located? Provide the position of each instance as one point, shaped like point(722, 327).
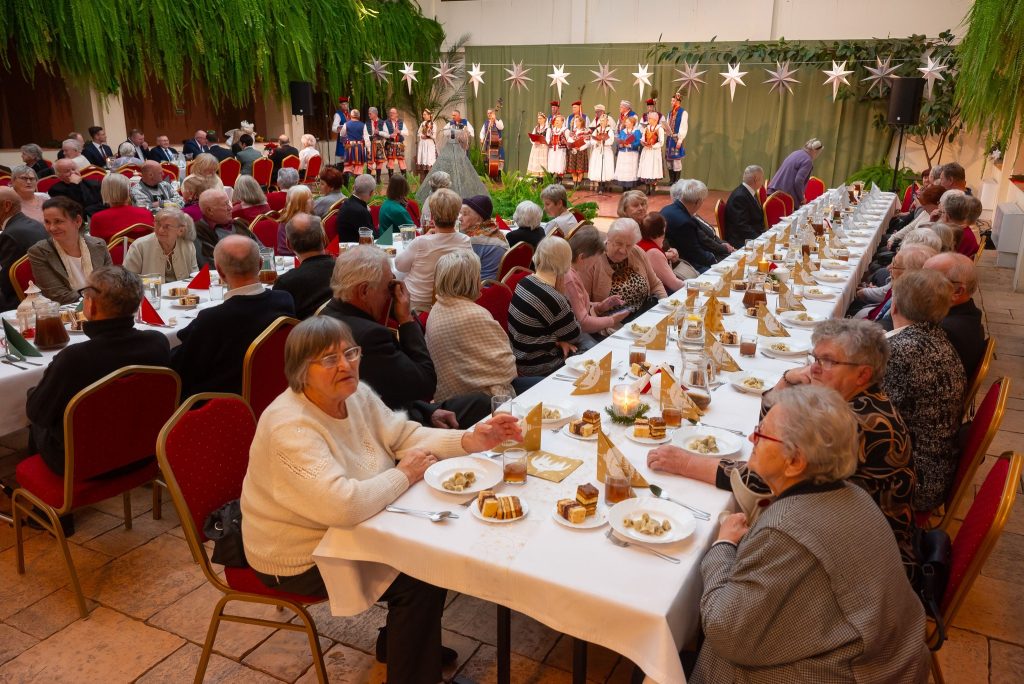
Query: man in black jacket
point(309, 283)
point(216, 224)
point(17, 233)
point(284, 149)
point(744, 216)
point(162, 152)
point(72, 185)
point(962, 324)
point(682, 230)
point(213, 346)
point(399, 370)
point(97, 151)
point(354, 213)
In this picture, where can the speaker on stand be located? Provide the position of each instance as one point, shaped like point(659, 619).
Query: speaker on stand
point(302, 97)
point(904, 110)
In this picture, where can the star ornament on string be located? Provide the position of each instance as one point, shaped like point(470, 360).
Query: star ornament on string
point(881, 75)
point(733, 78)
point(931, 72)
point(605, 77)
point(690, 77)
point(559, 78)
point(476, 77)
point(378, 70)
point(446, 74)
point(518, 76)
point(408, 74)
point(837, 77)
point(782, 78)
point(643, 77)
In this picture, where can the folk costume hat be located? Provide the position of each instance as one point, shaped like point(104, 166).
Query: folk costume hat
point(651, 102)
point(554, 103)
point(577, 103)
point(599, 107)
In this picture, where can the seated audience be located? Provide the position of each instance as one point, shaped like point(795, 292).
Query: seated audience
point(437, 180)
point(622, 271)
point(24, 181)
point(331, 181)
point(152, 191)
point(653, 243)
point(308, 151)
point(32, 157)
point(299, 200)
point(925, 381)
point(962, 324)
point(125, 156)
point(324, 456)
point(247, 154)
point(594, 317)
point(213, 346)
point(419, 258)
point(953, 177)
point(216, 223)
point(85, 192)
point(541, 323)
point(162, 151)
point(527, 218)
point(394, 211)
point(169, 250)
point(71, 149)
point(249, 200)
point(287, 178)
point(18, 232)
point(196, 146)
point(61, 263)
point(137, 139)
point(877, 299)
point(744, 215)
point(399, 370)
point(632, 204)
point(309, 283)
point(355, 212)
point(120, 213)
point(926, 204)
point(77, 137)
point(813, 588)
point(556, 205)
point(486, 239)
point(960, 211)
point(206, 166)
point(683, 231)
point(219, 152)
point(947, 238)
point(471, 352)
point(284, 149)
point(191, 189)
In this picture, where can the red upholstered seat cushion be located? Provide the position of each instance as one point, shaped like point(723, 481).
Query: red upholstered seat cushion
point(244, 579)
point(35, 476)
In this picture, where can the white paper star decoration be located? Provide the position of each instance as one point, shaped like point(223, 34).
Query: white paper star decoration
point(643, 78)
point(605, 77)
point(559, 78)
point(476, 77)
point(378, 70)
point(446, 74)
point(782, 78)
point(518, 76)
point(931, 72)
point(837, 77)
point(690, 77)
point(408, 74)
point(881, 75)
point(733, 78)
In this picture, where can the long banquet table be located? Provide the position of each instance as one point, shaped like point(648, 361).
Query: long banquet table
point(577, 581)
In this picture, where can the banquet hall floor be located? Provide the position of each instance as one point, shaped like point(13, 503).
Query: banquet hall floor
point(151, 605)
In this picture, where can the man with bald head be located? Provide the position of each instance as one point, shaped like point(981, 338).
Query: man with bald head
point(284, 149)
point(17, 233)
point(197, 145)
point(216, 224)
point(162, 152)
point(73, 186)
point(213, 346)
point(152, 191)
point(962, 324)
point(309, 283)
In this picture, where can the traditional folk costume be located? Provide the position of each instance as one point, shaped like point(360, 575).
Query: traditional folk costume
point(375, 138)
point(556, 150)
point(651, 103)
point(627, 164)
point(486, 143)
point(579, 152)
point(338, 126)
point(577, 113)
point(426, 149)
point(355, 146)
point(552, 115)
point(538, 161)
point(677, 124)
point(394, 146)
point(460, 131)
point(651, 168)
point(602, 152)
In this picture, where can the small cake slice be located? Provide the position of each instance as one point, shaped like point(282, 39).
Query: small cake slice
point(576, 514)
point(563, 506)
point(586, 496)
point(509, 508)
point(592, 417)
point(581, 428)
point(482, 496)
point(657, 428)
point(490, 507)
point(642, 428)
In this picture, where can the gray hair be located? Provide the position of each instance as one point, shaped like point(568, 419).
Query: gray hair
point(947, 235)
point(957, 268)
point(935, 173)
point(126, 149)
point(22, 169)
point(458, 275)
point(305, 233)
point(364, 185)
point(248, 190)
point(554, 254)
point(240, 265)
point(623, 225)
point(72, 143)
point(286, 178)
point(438, 180)
point(813, 144)
point(586, 242)
point(33, 151)
point(358, 265)
point(923, 236)
point(861, 340)
point(555, 193)
point(957, 206)
point(913, 256)
point(527, 214)
point(922, 296)
point(692, 191)
point(820, 424)
point(180, 218)
point(307, 342)
point(115, 190)
point(751, 172)
point(117, 290)
point(372, 110)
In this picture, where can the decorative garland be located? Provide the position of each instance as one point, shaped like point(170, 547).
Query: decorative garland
point(641, 411)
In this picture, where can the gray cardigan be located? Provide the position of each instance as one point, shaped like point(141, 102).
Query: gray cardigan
point(48, 270)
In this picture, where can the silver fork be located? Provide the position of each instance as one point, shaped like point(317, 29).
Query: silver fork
point(12, 357)
point(625, 544)
point(432, 516)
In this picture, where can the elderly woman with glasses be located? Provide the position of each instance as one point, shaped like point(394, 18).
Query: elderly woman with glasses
point(24, 180)
point(328, 453)
point(813, 589)
point(170, 249)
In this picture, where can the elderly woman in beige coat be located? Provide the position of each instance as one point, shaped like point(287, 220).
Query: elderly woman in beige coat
point(169, 250)
point(623, 270)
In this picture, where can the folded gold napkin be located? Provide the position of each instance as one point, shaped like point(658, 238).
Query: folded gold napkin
point(788, 301)
point(721, 356)
point(713, 315)
point(597, 379)
point(610, 459)
point(656, 338)
point(768, 325)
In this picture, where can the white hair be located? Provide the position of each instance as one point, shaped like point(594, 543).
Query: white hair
point(72, 143)
point(751, 172)
point(364, 185)
point(358, 265)
point(527, 214)
point(286, 178)
point(818, 422)
point(693, 191)
point(626, 226)
point(923, 236)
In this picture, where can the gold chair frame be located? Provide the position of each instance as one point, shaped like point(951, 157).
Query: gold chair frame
point(11, 273)
point(254, 346)
point(979, 377)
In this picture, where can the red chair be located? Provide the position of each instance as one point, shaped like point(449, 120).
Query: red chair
point(229, 171)
point(908, 197)
point(313, 170)
point(5, 180)
point(93, 173)
point(94, 447)
point(330, 225)
point(413, 207)
point(265, 229)
point(277, 199)
point(204, 452)
point(172, 172)
point(20, 275)
point(375, 215)
point(513, 277)
point(774, 209)
point(128, 170)
point(976, 538)
point(762, 193)
point(118, 247)
point(720, 218)
point(557, 232)
point(974, 382)
point(422, 318)
point(263, 375)
point(134, 231)
point(496, 298)
point(291, 162)
point(261, 170)
point(814, 189)
point(45, 184)
point(787, 200)
point(520, 255)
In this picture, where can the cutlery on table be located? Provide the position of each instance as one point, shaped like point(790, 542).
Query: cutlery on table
point(625, 544)
point(11, 363)
point(740, 433)
point(432, 516)
point(776, 358)
point(20, 359)
point(697, 513)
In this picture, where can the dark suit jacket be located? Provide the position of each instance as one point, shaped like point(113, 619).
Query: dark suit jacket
point(20, 233)
point(220, 152)
point(708, 239)
point(86, 193)
point(41, 169)
point(967, 334)
point(353, 215)
point(681, 232)
point(192, 147)
point(744, 218)
point(309, 284)
point(113, 344)
point(279, 154)
point(159, 154)
point(95, 157)
point(213, 346)
point(208, 236)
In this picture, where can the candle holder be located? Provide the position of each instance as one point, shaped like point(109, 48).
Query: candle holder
point(626, 406)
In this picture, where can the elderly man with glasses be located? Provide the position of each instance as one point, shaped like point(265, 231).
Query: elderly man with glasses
point(18, 232)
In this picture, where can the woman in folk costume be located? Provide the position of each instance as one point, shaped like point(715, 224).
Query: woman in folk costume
point(556, 147)
point(426, 150)
point(538, 162)
point(677, 124)
point(375, 137)
point(652, 143)
point(578, 138)
point(602, 150)
point(355, 148)
point(628, 162)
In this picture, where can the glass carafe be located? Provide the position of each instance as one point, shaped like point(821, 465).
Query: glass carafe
point(50, 330)
point(756, 291)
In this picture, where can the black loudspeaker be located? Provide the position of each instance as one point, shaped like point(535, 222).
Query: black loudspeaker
point(302, 97)
point(905, 101)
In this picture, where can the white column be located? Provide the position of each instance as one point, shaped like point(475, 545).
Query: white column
point(89, 107)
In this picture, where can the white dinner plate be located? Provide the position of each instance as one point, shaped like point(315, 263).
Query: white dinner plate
point(835, 265)
point(170, 296)
point(647, 441)
point(738, 383)
point(826, 277)
point(793, 348)
point(575, 363)
point(591, 438)
point(728, 443)
point(722, 266)
point(818, 293)
point(801, 319)
point(186, 307)
point(566, 411)
point(475, 510)
point(591, 522)
point(488, 473)
point(670, 304)
point(628, 329)
point(681, 521)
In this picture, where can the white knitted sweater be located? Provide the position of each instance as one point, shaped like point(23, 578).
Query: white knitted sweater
point(309, 471)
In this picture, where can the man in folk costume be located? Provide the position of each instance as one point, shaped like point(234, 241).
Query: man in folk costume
point(394, 147)
point(354, 131)
point(554, 111)
point(626, 112)
point(459, 130)
point(677, 125)
point(577, 113)
point(493, 127)
point(375, 137)
point(652, 105)
point(338, 127)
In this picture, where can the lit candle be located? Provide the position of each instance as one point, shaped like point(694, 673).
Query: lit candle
point(625, 399)
point(762, 265)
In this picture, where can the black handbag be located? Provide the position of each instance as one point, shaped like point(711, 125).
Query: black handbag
point(224, 527)
point(934, 553)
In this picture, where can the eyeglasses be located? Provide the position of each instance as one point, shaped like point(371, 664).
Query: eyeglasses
point(757, 435)
point(351, 355)
point(82, 290)
point(829, 364)
point(27, 179)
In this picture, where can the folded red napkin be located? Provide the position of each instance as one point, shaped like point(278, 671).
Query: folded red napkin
point(151, 316)
point(295, 264)
point(202, 279)
point(647, 387)
point(334, 246)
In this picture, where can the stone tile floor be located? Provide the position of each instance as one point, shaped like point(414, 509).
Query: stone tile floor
point(151, 605)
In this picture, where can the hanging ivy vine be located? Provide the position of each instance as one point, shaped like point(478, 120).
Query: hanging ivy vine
point(235, 47)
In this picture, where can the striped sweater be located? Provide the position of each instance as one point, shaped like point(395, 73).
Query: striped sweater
point(538, 318)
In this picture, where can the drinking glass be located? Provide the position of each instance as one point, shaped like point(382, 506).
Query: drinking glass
point(153, 286)
point(513, 466)
point(691, 327)
point(268, 269)
point(365, 236)
point(637, 354)
point(616, 484)
point(502, 403)
point(695, 378)
point(408, 233)
point(748, 345)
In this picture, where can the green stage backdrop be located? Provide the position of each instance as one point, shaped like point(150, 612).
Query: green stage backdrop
point(758, 127)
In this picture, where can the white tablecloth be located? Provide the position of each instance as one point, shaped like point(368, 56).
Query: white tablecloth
point(574, 581)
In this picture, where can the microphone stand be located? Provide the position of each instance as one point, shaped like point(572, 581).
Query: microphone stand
point(519, 133)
